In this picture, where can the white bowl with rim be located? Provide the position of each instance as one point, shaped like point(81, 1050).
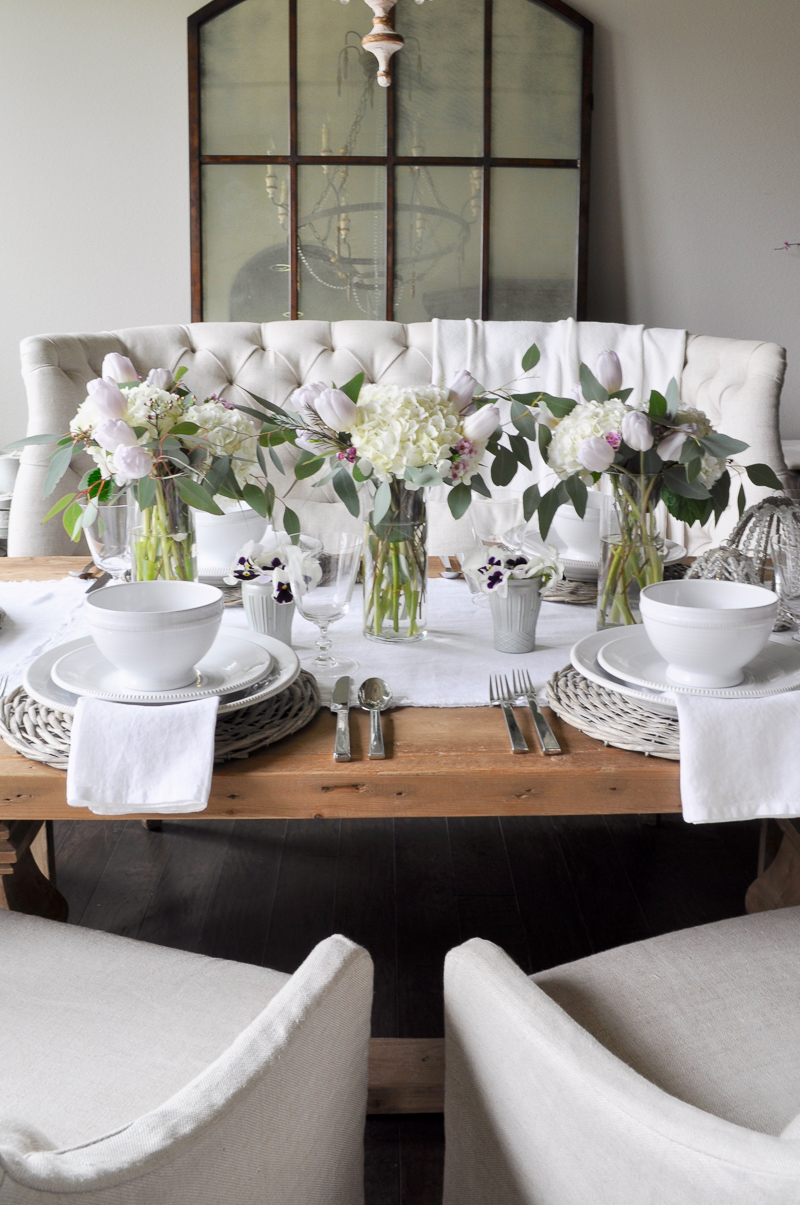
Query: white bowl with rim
point(707, 631)
point(580, 537)
point(155, 632)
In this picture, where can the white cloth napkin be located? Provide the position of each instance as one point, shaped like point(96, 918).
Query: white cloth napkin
point(141, 759)
point(39, 615)
point(740, 758)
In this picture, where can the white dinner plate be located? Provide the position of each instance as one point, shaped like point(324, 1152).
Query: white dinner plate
point(629, 655)
point(212, 575)
point(583, 657)
point(285, 667)
point(574, 570)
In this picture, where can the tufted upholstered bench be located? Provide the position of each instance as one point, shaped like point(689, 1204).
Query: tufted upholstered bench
point(736, 382)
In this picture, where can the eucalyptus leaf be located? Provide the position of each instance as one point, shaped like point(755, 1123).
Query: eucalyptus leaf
point(687, 510)
point(560, 407)
point(145, 491)
point(591, 388)
point(59, 506)
point(530, 502)
point(720, 493)
point(343, 484)
point(577, 493)
point(622, 395)
point(519, 446)
point(675, 479)
point(89, 514)
point(256, 499)
point(59, 463)
point(353, 386)
point(197, 495)
point(657, 406)
point(741, 501)
point(544, 436)
point(479, 486)
point(72, 520)
point(291, 523)
point(307, 465)
point(673, 398)
point(458, 499)
point(722, 446)
point(30, 440)
point(690, 451)
point(548, 505)
point(220, 467)
point(531, 358)
point(383, 500)
point(523, 420)
point(184, 428)
point(504, 466)
point(262, 401)
point(276, 460)
point(693, 469)
point(762, 474)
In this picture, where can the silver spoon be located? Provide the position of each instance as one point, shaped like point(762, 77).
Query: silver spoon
point(374, 696)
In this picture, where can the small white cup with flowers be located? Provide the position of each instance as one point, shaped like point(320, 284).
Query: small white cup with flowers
point(266, 573)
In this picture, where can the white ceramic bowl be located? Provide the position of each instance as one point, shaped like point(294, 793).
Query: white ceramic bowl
point(707, 631)
point(155, 632)
point(580, 537)
point(220, 537)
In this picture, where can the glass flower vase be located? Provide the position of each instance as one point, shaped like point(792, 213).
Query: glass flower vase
point(396, 567)
point(632, 546)
point(162, 536)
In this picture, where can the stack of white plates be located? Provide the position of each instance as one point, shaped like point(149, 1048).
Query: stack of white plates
point(577, 571)
point(624, 660)
point(242, 667)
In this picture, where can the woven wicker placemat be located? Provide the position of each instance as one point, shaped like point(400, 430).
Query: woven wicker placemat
point(43, 733)
point(581, 594)
point(611, 717)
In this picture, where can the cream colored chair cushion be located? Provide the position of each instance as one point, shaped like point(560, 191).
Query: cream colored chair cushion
point(139, 1074)
point(736, 382)
point(661, 1073)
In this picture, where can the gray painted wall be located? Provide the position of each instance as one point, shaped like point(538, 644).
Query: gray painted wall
point(696, 171)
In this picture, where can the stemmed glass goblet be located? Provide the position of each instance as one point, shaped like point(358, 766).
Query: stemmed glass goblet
point(108, 541)
point(786, 571)
point(322, 585)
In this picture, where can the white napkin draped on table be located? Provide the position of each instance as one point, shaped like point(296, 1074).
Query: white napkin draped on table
point(141, 759)
point(740, 758)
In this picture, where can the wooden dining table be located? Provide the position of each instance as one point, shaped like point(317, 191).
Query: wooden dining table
point(451, 761)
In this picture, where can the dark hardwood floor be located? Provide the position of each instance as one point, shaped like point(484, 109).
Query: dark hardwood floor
point(546, 890)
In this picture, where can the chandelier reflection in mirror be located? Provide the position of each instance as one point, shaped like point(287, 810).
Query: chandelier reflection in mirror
point(433, 230)
point(460, 191)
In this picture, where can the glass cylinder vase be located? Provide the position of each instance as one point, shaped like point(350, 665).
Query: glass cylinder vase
point(162, 536)
point(632, 545)
point(396, 567)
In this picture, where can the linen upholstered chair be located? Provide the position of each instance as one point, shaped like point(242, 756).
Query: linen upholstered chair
point(735, 381)
point(135, 1075)
point(661, 1073)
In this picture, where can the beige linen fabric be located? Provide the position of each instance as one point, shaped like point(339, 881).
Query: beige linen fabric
point(139, 1075)
point(737, 383)
point(661, 1073)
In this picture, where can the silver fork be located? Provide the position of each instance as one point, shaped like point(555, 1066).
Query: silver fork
point(523, 686)
point(500, 696)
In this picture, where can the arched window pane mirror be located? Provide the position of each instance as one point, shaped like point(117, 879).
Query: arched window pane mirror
point(461, 191)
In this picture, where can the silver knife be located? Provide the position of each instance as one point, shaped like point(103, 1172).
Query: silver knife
point(99, 582)
point(340, 704)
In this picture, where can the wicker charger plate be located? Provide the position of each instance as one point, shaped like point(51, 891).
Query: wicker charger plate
point(612, 718)
point(43, 733)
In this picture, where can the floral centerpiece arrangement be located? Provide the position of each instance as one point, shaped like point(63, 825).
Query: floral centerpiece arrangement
point(154, 441)
point(657, 451)
point(514, 583)
point(389, 443)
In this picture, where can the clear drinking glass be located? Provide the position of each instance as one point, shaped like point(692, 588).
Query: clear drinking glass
point(108, 541)
point(325, 596)
point(786, 570)
point(498, 520)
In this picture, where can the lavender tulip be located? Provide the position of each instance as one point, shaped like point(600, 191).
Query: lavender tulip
point(161, 378)
point(480, 425)
point(462, 390)
point(596, 454)
point(304, 399)
point(336, 409)
point(608, 371)
point(108, 399)
point(637, 431)
point(113, 433)
point(132, 462)
point(669, 448)
point(118, 368)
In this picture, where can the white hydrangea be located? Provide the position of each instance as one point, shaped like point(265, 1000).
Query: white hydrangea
point(586, 420)
point(230, 433)
point(398, 427)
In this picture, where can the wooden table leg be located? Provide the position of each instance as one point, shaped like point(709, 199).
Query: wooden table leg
point(27, 880)
point(779, 885)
